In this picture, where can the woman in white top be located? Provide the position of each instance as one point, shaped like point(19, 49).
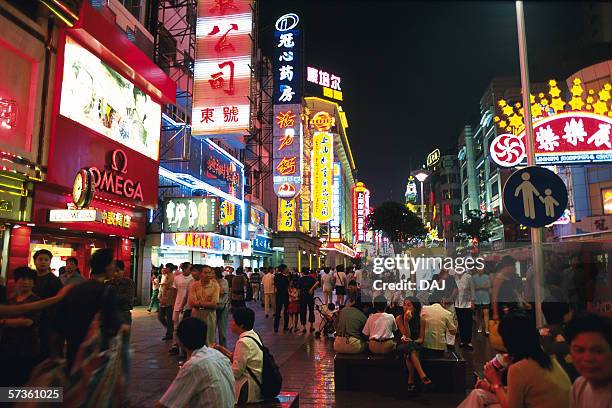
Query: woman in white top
point(341, 284)
point(380, 328)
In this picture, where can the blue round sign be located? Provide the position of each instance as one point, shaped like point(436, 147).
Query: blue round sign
point(535, 196)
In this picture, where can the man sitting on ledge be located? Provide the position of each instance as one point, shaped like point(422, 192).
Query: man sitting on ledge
point(349, 339)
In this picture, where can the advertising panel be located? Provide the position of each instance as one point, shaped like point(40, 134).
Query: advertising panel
point(321, 83)
point(207, 242)
point(287, 64)
point(322, 172)
point(287, 150)
point(190, 214)
point(221, 171)
point(335, 234)
point(361, 208)
point(287, 215)
point(98, 97)
point(222, 72)
point(606, 196)
point(262, 245)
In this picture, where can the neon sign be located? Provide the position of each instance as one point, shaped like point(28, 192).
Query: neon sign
point(330, 83)
point(361, 208)
point(322, 173)
point(287, 65)
point(111, 180)
point(335, 223)
point(433, 158)
point(287, 214)
point(222, 67)
point(322, 121)
point(287, 150)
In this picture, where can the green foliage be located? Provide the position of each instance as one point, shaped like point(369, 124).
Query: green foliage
point(396, 222)
point(476, 226)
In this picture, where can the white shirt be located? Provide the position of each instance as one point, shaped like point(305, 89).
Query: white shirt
point(268, 283)
point(465, 291)
point(359, 276)
point(380, 326)
point(181, 283)
point(326, 280)
point(437, 321)
point(248, 354)
point(205, 380)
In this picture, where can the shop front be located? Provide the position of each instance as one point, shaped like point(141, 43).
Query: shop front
point(298, 250)
point(338, 253)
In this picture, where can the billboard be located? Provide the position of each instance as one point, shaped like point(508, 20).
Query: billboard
point(335, 232)
point(98, 97)
point(190, 214)
point(322, 174)
point(287, 64)
point(222, 68)
point(287, 150)
point(207, 242)
point(287, 215)
point(361, 209)
point(222, 171)
point(322, 83)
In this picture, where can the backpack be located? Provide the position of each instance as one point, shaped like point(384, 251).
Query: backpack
point(271, 376)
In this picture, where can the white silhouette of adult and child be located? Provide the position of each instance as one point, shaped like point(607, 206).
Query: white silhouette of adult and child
point(528, 191)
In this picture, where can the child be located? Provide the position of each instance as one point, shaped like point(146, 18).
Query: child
point(294, 306)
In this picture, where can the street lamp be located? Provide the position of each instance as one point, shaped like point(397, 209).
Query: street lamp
point(422, 175)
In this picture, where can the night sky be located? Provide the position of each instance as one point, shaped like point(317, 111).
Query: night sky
point(413, 73)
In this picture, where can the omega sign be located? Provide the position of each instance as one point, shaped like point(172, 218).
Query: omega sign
point(112, 180)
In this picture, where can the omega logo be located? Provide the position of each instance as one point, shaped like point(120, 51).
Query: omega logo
point(111, 180)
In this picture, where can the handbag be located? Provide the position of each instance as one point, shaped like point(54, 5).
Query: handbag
point(495, 338)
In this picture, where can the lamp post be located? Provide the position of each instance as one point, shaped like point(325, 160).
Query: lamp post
point(422, 175)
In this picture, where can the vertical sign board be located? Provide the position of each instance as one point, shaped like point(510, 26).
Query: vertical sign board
point(222, 71)
point(287, 64)
point(335, 234)
point(287, 214)
point(287, 150)
point(322, 176)
point(361, 199)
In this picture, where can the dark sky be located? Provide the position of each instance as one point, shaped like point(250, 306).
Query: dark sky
point(413, 73)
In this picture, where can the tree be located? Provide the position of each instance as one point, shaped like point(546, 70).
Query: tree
point(397, 223)
point(476, 226)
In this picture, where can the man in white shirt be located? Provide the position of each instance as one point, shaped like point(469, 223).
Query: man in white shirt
point(206, 379)
point(464, 307)
point(247, 358)
point(438, 321)
point(182, 309)
point(268, 286)
point(327, 282)
point(379, 328)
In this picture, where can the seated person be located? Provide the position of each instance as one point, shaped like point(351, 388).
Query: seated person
point(534, 378)
point(590, 339)
point(247, 358)
point(206, 379)
point(412, 329)
point(349, 338)
point(557, 314)
point(437, 321)
point(354, 293)
point(380, 328)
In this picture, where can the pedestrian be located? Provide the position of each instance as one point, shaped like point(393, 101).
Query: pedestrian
point(327, 282)
point(126, 291)
point(281, 283)
point(340, 280)
point(294, 306)
point(206, 379)
point(239, 286)
point(446, 296)
point(19, 339)
point(71, 275)
point(80, 306)
point(167, 297)
point(247, 357)
point(380, 328)
point(182, 309)
point(255, 284)
point(590, 339)
point(203, 298)
point(222, 306)
point(269, 291)
point(354, 294)
point(507, 289)
point(557, 315)
point(154, 303)
point(307, 284)
point(47, 285)
point(438, 322)
point(482, 300)
point(464, 307)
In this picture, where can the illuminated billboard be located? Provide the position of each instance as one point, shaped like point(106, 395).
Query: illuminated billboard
point(322, 83)
point(222, 72)
point(287, 215)
point(190, 214)
point(98, 97)
point(335, 233)
point(287, 150)
point(361, 209)
point(322, 176)
point(287, 64)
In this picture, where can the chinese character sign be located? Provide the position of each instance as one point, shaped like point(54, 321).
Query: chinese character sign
point(222, 67)
point(190, 214)
point(287, 215)
point(287, 150)
point(322, 176)
point(335, 234)
point(361, 208)
point(287, 61)
point(219, 169)
point(564, 138)
point(319, 82)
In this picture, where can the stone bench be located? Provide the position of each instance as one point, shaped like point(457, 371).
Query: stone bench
point(284, 400)
point(387, 373)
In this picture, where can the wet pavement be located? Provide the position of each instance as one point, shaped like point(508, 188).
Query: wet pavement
point(306, 363)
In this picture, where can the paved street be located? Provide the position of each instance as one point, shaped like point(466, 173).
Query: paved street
point(307, 365)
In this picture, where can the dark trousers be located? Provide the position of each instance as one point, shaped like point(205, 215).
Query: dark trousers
point(165, 317)
point(282, 302)
point(306, 304)
point(464, 318)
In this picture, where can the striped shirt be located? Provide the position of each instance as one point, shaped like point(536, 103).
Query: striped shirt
point(205, 380)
